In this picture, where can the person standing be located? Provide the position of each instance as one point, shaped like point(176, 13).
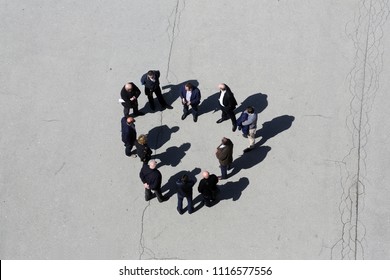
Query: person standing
point(151, 178)
point(143, 150)
point(129, 99)
point(224, 155)
point(129, 134)
point(190, 96)
point(184, 190)
point(251, 124)
point(208, 188)
point(152, 84)
point(227, 103)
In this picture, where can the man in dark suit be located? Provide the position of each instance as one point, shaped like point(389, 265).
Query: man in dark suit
point(184, 190)
point(152, 84)
point(190, 96)
point(227, 103)
point(129, 134)
point(129, 95)
point(151, 178)
point(208, 188)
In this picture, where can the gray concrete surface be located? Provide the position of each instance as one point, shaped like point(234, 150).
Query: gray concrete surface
point(314, 190)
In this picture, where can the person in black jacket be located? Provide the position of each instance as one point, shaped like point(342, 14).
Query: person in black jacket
point(151, 178)
point(208, 188)
point(143, 150)
point(152, 84)
point(129, 134)
point(227, 103)
point(129, 95)
point(184, 190)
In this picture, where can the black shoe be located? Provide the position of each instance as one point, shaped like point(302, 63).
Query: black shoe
point(248, 150)
point(165, 198)
point(166, 106)
point(245, 135)
point(195, 118)
point(150, 197)
point(234, 128)
point(184, 116)
point(181, 212)
point(220, 120)
point(239, 127)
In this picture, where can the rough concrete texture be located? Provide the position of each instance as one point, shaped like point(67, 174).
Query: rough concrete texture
point(315, 188)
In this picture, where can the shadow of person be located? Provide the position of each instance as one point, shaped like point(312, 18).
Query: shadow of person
point(173, 91)
point(248, 160)
point(160, 135)
point(173, 155)
point(274, 127)
point(209, 104)
point(232, 190)
point(170, 186)
point(258, 101)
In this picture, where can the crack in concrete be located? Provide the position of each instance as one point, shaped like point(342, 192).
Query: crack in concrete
point(62, 166)
point(172, 34)
point(141, 240)
point(367, 35)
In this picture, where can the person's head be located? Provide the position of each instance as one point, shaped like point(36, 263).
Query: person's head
point(188, 86)
point(152, 164)
point(250, 110)
point(150, 74)
point(130, 120)
point(142, 139)
point(184, 178)
point(224, 140)
point(222, 87)
point(205, 174)
point(128, 87)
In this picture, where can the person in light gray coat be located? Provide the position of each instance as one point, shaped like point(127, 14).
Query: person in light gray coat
point(251, 122)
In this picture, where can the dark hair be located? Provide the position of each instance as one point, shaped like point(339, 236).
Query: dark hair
point(250, 109)
point(189, 85)
point(150, 73)
point(184, 178)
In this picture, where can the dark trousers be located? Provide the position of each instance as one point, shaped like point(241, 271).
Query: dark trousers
point(157, 192)
point(157, 91)
point(186, 109)
point(228, 113)
point(209, 199)
point(128, 149)
point(224, 169)
point(180, 203)
point(134, 105)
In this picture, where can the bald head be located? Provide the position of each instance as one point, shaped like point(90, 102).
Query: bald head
point(222, 86)
point(130, 120)
point(128, 87)
point(152, 164)
point(205, 174)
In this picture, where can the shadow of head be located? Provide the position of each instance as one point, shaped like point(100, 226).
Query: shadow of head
point(173, 155)
point(159, 135)
point(258, 101)
point(275, 126)
point(233, 190)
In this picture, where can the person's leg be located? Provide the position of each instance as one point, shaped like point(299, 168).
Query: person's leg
point(195, 112)
point(245, 130)
point(149, 195)
point(159, 195)
point(128, 150)
point(126, 111)
point(179, 203)
point(251, 137)
point(232, 117)
point(190, 207)
point(223, 172)
point(160, 98)
point(149, 94)
point(185, 111)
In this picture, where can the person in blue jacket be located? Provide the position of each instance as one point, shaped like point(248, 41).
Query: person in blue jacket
point(190, 96)
point(184, 190)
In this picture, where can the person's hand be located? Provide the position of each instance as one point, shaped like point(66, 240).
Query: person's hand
point(146, 186)
point(133, 98)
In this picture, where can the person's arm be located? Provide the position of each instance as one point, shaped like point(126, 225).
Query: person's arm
point(196, 100)
point(250, 120)
point(137, 91)
point(143, 79)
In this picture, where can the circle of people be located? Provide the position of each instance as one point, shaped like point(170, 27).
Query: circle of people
point(190, 98)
